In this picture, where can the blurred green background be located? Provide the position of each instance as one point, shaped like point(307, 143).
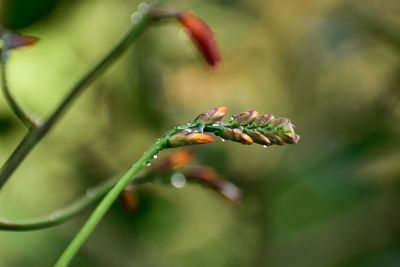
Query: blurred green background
point(331, 66)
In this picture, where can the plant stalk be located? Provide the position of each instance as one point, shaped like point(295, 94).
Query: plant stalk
point(35, 135)
point(111, 196)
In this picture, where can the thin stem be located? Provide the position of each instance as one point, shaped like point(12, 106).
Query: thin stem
point(35, 135)
point(111, 196)
point(92, 195)
point(29, 121)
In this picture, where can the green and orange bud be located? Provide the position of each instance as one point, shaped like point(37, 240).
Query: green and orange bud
point(291, 138)
point(212, 116)
point(210, 178)
point(188, 138)
point(202, 36)
point(258, 137)
point(281, 123)
point(235, 135)
point(263, 120)
point(244, 118)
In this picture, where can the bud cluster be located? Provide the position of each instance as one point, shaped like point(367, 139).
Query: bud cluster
point(246, 128)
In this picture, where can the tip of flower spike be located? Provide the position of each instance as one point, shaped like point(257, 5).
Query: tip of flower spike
point(202, 36)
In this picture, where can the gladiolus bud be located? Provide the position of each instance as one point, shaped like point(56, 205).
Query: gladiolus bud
point(245, 118)
point(202, 36)
point(212, 116)
point(236, 135)
point(188, 138)
point(258, 137)
point(263, 120)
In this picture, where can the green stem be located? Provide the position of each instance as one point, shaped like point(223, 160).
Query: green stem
point(29, 121)
point(92, 195)
point(111, 196)
point(35, 135)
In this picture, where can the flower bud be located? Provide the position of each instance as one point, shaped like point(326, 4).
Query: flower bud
point(202, 36)
point(258, 137)
point(174, 161)
point(212, 116)
point(236, 135)
point(291, 138)
point(280, 123)
point(188, 138)
point(273, 138)
point(245, 118)
point(209, 177)
point(15, 40)
point(263, 120)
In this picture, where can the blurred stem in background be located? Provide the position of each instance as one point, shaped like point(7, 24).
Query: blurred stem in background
point(34, 135)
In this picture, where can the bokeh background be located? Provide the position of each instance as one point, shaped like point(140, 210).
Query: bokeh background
point(331, 66)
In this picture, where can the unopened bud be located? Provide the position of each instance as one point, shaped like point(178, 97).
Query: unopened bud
point(263, 120)
point(174, 161)
point(15, 40)
point(273, 138)
point(212, 116)
point(187, 138)
point(280, 123)
point(245, 118)
point(209, 177)
point(236, 135)
point(291, 138)
point(202, 36)
point(258, 137)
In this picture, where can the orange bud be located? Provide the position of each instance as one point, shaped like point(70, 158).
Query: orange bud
point(175, 160)
point(188, 138)
point(202, 36)
point(212, 116)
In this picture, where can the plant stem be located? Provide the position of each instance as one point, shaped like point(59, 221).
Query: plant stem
point(35, 135)
point(29, 121)
point(92, 195)
point(107, 201)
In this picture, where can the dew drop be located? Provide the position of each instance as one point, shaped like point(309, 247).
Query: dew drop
point(148, 164)
point(178, 180)
point(155, 156)
point(264, 146)
point(222, 139)
point(136, 17)
point(143, 7)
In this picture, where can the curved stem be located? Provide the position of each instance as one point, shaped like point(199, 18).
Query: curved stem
point(36, 134)
point(111, 196)
point(29, 121)
point(92, 195)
